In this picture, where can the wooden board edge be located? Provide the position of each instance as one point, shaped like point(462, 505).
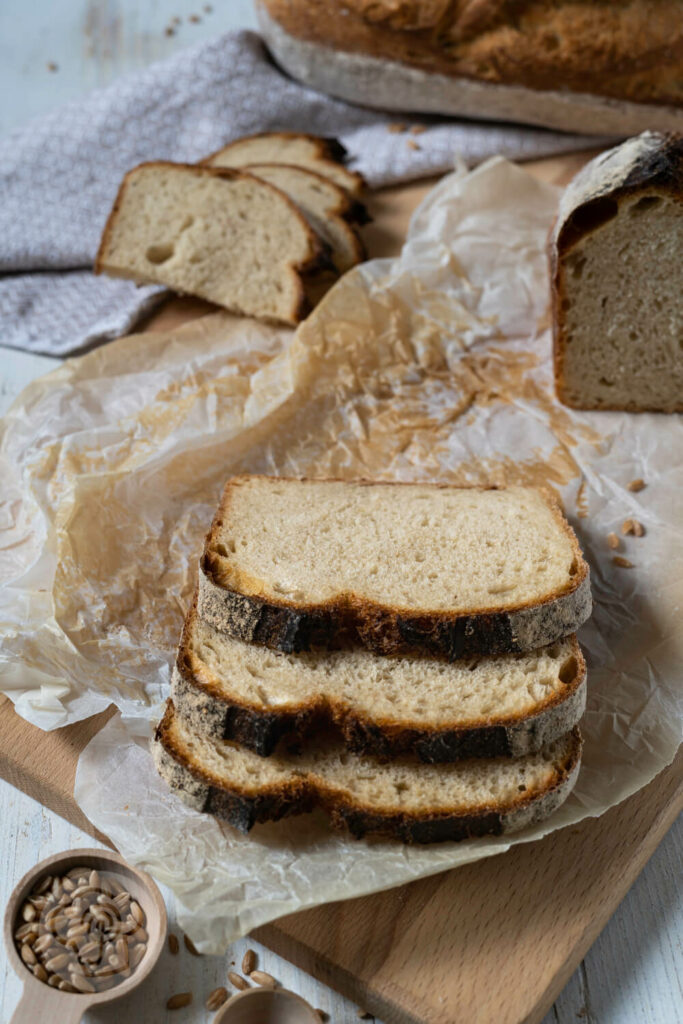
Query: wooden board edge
point(54, 788)
point(43, 764)
point(668, 785)
point(666, 817)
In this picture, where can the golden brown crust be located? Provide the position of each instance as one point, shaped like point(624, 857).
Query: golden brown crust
point(626, 49)
point(344, 213)
point(327, 146)
point(230, 606)
point(318, 258)
point(346, 206)
point(328, 151)
point(298, 794)
point(659, 172)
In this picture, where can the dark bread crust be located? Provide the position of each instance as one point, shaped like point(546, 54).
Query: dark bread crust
point(239, 810)
point(657, 172)
point(319, 258)
point(208, 711)
point(290, 627)
point(328, 149)
point(203, 791)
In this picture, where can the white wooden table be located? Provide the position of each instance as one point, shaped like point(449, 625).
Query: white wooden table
point(55, 50)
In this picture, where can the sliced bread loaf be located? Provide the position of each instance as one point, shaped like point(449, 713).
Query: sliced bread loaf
point(438, 710)
point(617, 280)
point(222, 235)
point(403, 799)
point(322, 155)
point(318, 199)
point(458, 571)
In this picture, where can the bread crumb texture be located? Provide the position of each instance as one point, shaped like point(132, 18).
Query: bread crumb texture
point(426, 692)
point(623, 308)
point(400, 786)
point(407, 547)
point(234, 241)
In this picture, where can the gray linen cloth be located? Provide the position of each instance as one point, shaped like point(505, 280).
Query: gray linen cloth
point(59, 174)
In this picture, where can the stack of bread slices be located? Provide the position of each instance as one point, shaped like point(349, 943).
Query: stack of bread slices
point(401, 655)
point(262, 227)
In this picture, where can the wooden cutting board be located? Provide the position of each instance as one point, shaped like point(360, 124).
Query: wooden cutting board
point(489, 943)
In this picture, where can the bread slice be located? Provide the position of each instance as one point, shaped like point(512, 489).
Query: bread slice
point(512, 704)
point(319, 200)
point(403, 799)
point(449, 570)
point(617, 280)
point(222, 235)
point(316, 191)
point(313, 152)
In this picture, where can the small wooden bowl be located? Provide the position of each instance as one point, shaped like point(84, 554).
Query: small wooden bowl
point(39, 1002)
point(266, 1006)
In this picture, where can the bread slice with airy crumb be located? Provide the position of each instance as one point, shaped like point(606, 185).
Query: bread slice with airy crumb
point(439, 710)
point(402, 799)
point(222, 235)
point(319, 200)
point(448, 570)
point(320, 193)
point(617, 282)
point(322, 155)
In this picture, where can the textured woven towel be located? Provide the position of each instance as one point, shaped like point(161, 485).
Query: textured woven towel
point(59, 176)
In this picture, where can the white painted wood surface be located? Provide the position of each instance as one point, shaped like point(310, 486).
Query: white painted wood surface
point(633, 974)
point(92, 42)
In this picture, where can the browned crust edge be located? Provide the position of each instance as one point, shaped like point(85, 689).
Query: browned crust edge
point(348, 207)
point(329, 150)
point(210, 712)
point(333, 216)
point(319, 258)
point(241, 809)
point(660, 173)
point(290, 627)
point(353, 239)
point(328, 147)
point(392, 32)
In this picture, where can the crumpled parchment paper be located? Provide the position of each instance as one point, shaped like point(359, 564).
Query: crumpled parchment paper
point(432, 366)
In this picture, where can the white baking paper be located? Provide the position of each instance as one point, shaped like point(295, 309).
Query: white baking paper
point(432, 366)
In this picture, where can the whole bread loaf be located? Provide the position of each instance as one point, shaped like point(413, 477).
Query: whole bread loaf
point(608, 66)
point(617, 283)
